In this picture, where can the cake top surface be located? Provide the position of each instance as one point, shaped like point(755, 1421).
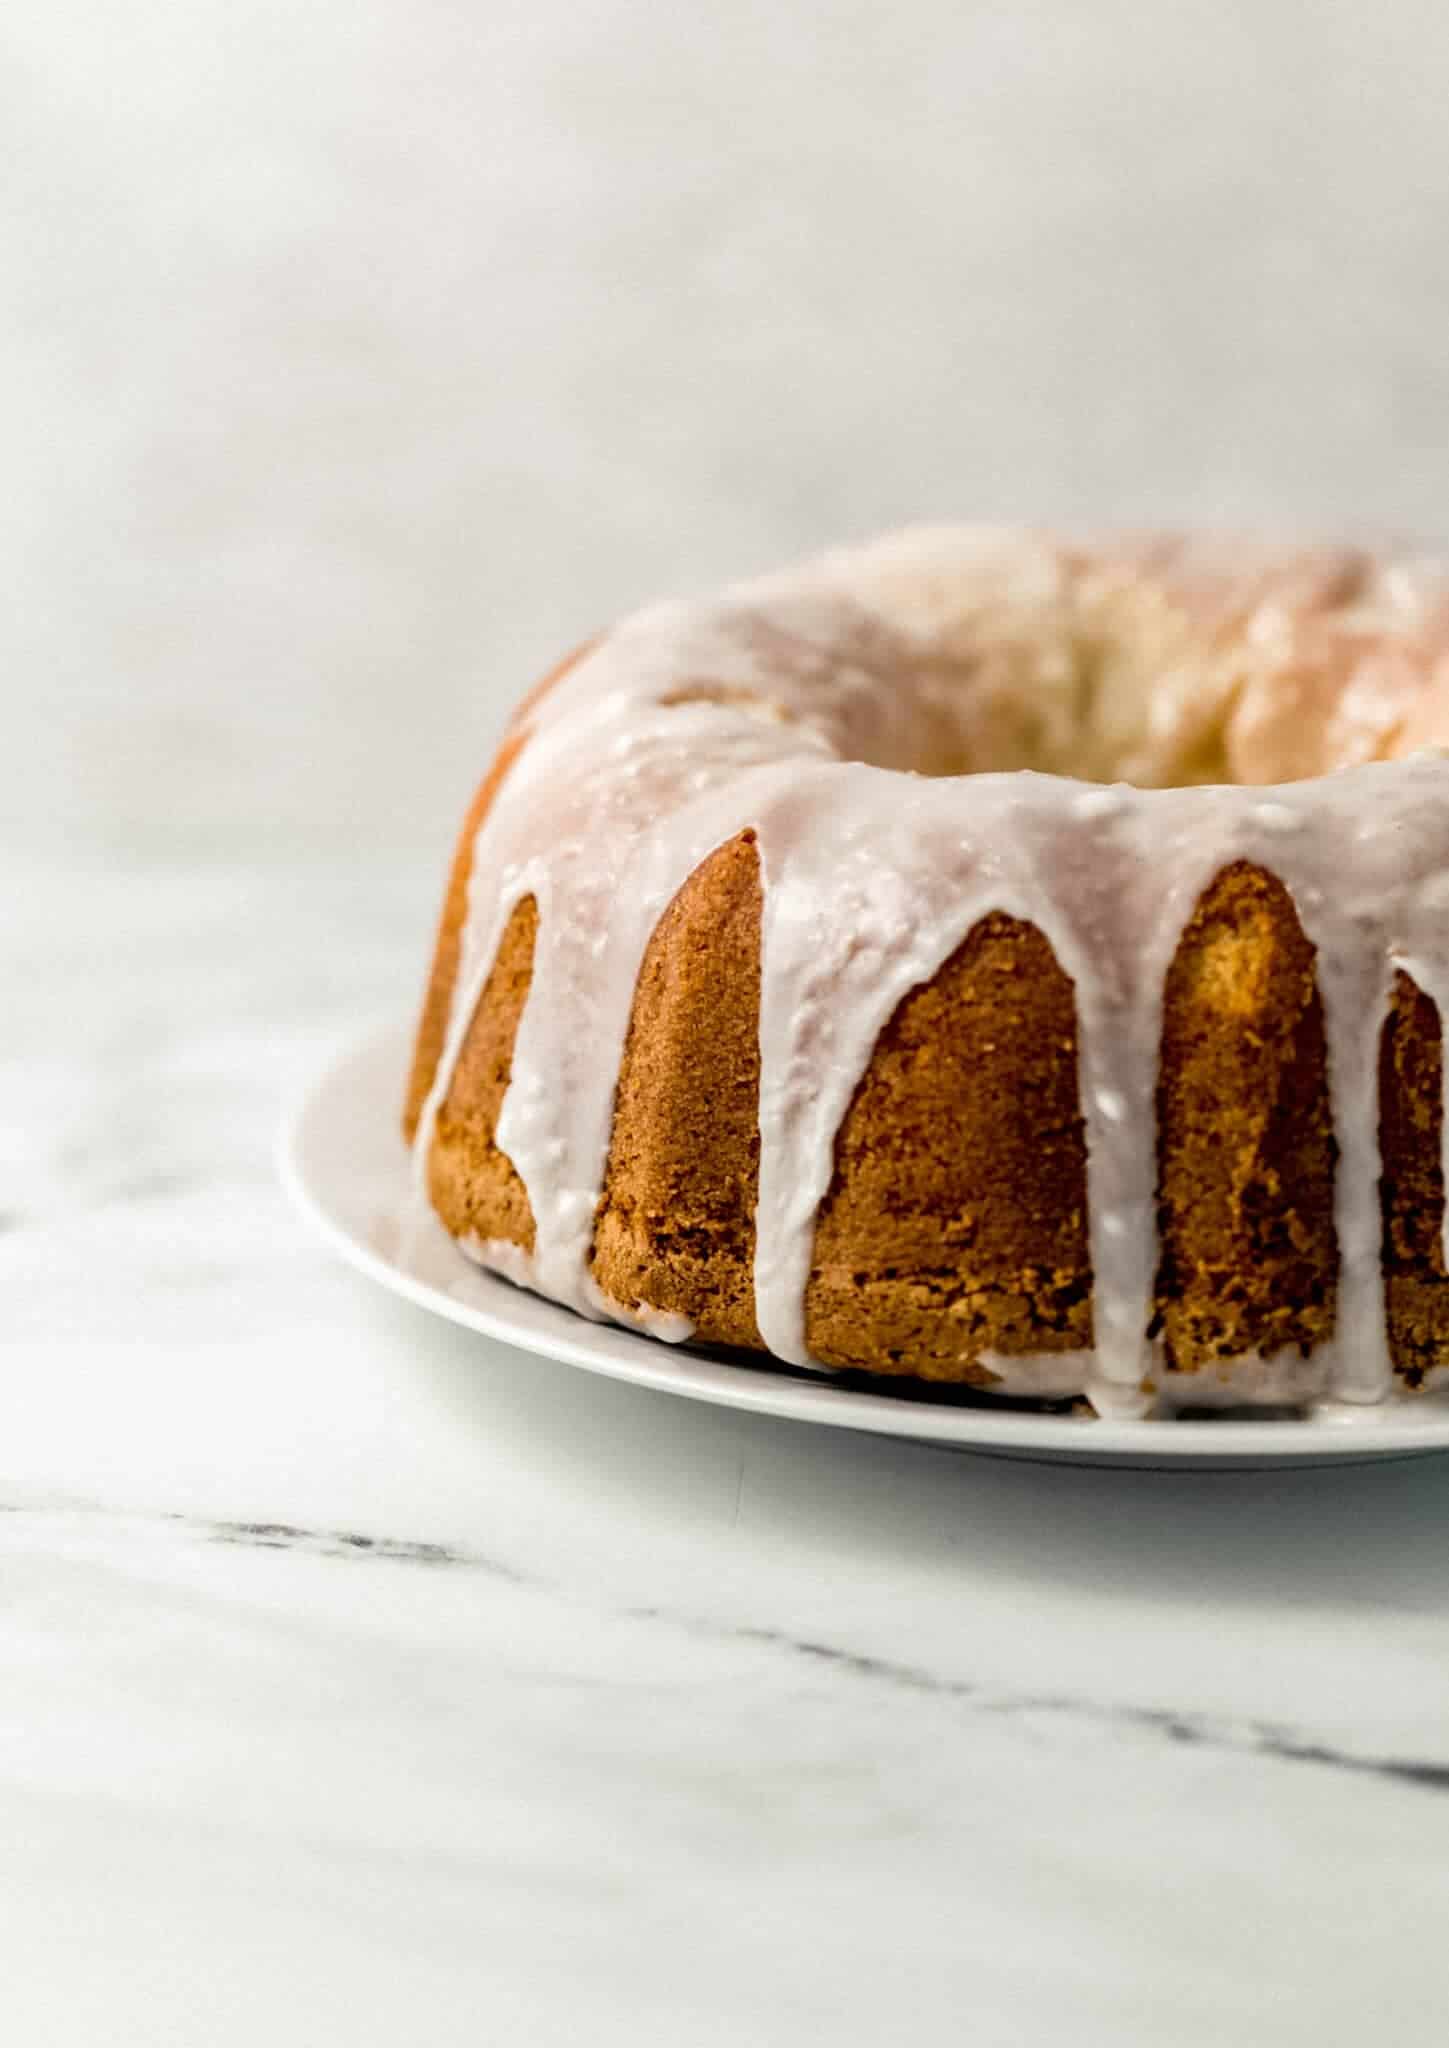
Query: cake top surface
point(1158, 660)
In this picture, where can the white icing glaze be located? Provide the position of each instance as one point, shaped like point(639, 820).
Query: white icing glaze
point(662, 1323)
point(804, 707)
point(500, 1255)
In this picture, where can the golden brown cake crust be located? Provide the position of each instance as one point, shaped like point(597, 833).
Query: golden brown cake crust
point(1411, 1105)
point(1245, 1145)
point(472, 1185)
point(676, 1224)
point(956, 1223)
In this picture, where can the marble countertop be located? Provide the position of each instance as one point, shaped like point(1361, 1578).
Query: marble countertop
point(361, 1680)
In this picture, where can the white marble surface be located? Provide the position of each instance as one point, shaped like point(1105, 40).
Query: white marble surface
point(361, 1682)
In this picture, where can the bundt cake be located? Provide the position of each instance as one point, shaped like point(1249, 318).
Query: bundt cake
point(977, 958)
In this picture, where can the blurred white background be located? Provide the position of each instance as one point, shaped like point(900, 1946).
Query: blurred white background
point(356, 359)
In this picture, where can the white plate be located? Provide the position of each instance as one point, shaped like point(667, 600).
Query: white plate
point(346, 1168)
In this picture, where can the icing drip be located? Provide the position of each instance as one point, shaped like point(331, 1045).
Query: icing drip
point(804, 709)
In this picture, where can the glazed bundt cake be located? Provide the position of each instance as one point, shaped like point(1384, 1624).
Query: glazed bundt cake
point(976, 958)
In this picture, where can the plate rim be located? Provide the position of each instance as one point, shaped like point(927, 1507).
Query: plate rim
point(649, 1363)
